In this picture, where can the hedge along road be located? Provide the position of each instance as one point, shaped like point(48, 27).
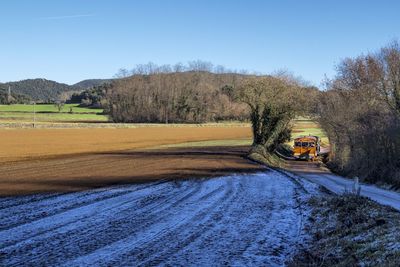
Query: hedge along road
point(248, 219)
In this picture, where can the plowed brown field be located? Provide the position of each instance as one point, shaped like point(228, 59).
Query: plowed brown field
point(23, 144)
point(34, 161)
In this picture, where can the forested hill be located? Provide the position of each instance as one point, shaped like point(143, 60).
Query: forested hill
point(90, 83)
point(42, 90)
point(13, 99)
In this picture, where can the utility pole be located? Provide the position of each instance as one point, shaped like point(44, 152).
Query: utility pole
point(34, 114)
point(9, 95)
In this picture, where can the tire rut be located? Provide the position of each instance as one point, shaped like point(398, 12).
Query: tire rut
point(253, 219)
point(148, 211)
point(120, 248)
point(61, 204)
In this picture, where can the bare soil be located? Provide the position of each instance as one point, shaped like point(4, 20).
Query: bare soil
point(82, 172)
point(21, 144)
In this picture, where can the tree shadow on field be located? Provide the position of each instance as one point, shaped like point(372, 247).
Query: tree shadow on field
point(87, 183)
point(130, 167)
point(174, 152)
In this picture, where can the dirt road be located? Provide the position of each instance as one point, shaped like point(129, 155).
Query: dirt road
point(254, 219)
point(339, 185)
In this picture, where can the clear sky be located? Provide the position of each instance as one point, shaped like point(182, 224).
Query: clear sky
point(72, 40)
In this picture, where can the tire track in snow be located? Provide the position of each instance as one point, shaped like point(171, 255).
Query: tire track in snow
point(158, 231)
point(53, 222)
point(27, 213)
point(243, 219)
point(184, 232)
point(10, 202)
point(82, 231)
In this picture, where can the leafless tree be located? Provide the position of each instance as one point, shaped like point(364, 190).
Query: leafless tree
point(360, 112)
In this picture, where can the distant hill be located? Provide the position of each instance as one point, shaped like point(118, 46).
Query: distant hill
point(90, 83)
point(42, 90)
point(39, 89)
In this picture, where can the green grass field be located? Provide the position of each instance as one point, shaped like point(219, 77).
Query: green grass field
point(50, 113)
point(47, 108)
point(304, 126)
point(51, 117)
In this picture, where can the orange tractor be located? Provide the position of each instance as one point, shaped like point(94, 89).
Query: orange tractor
point(306, 147)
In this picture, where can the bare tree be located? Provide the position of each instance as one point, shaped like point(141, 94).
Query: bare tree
point(174, 97)
point(360, 113)
point(59, 105)
point(123, 73)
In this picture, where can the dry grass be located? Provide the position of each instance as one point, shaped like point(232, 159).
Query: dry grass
point(351, 231)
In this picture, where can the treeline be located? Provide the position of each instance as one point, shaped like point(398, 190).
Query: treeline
point(360, 112)
point(90, 83)
point(94, 97)
point(194, 66)
point(165, 94)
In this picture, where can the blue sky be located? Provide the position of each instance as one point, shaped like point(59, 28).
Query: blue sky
point(72, 40)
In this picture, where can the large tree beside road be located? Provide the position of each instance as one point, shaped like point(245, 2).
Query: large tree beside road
point(271, 101)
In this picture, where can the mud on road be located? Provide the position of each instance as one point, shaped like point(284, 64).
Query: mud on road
point(247, 219)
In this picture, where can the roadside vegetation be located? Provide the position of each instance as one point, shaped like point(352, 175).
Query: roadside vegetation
point(360, 112)
point(351, 230)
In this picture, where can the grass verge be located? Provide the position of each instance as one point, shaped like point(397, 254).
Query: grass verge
point(259, 155)
point(351, 231)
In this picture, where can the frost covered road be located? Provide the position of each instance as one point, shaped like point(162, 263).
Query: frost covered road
point(339, 185)
point(243, 220)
